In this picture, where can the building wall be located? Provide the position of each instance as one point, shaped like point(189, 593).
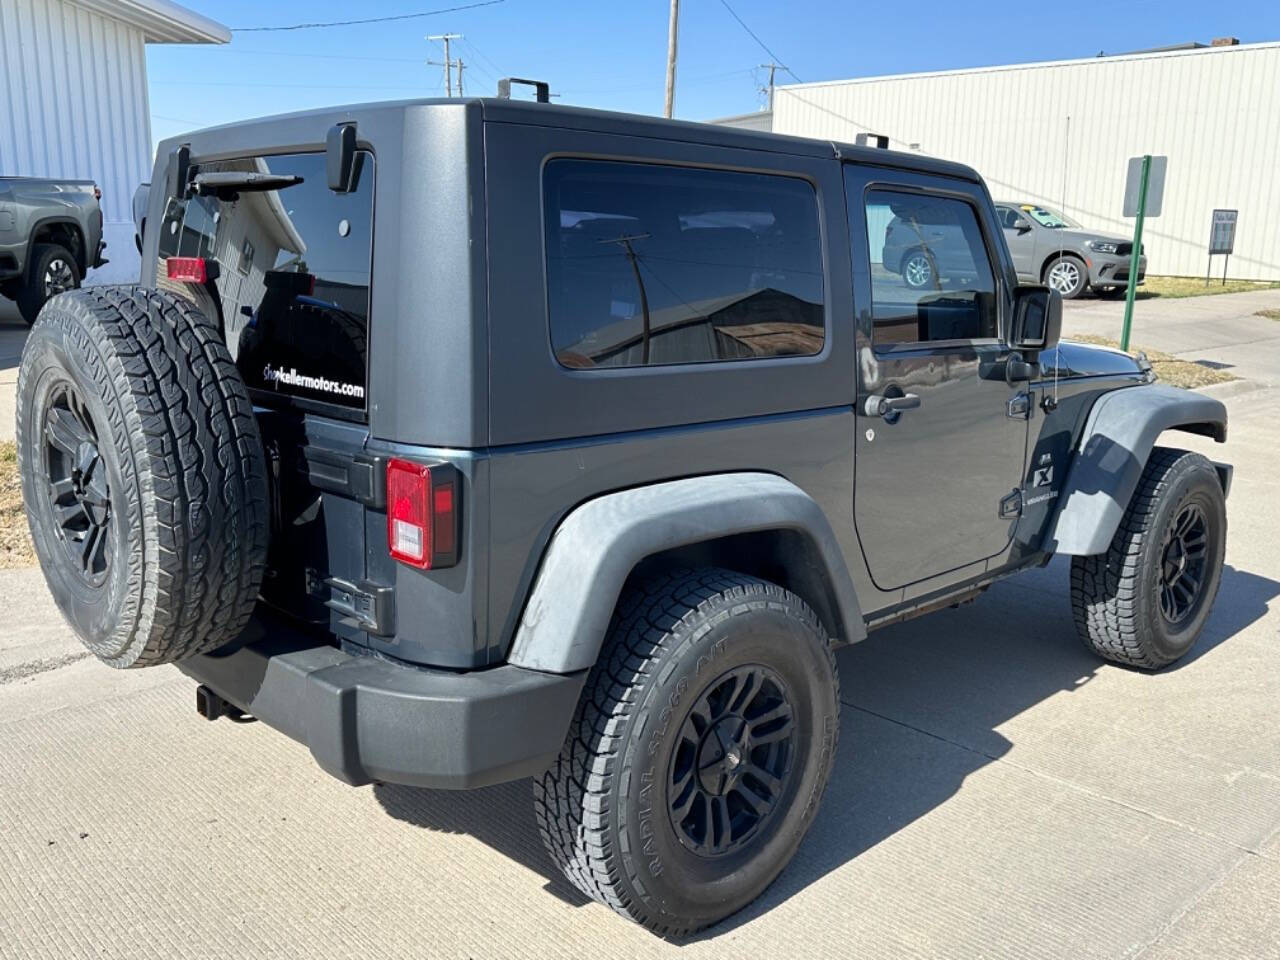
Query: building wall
point(1214, 112)
point(73, 104)
point(759, 120)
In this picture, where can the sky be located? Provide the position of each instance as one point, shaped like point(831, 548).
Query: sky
point(613, 54)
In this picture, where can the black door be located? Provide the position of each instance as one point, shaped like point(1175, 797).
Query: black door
point(941, 435)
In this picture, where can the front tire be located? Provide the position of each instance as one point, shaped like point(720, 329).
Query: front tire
point(1145, 601)
point(1068, 275)
point(699, 751)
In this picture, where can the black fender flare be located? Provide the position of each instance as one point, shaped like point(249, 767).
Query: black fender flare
point(1114, 446)
point(599, 543)
point(82, 257)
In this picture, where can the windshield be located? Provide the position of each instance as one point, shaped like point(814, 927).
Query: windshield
point(1048, 218)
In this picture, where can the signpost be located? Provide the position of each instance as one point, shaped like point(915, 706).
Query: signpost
point(1222, 239)
point(1143, 197)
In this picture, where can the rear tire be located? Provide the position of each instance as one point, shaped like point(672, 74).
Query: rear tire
point(699, 751)
point(143, 474)
point(1145, 601)
point(52, 270)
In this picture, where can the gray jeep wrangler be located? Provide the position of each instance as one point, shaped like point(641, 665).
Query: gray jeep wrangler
point(467, 441)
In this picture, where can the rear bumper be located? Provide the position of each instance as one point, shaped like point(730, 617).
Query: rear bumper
point(367, 719)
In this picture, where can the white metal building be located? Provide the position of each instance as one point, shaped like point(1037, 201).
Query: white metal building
point(73, 98)
point(1214, 111)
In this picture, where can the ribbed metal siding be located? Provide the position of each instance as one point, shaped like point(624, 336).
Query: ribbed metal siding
point(73, 99)
point(1213, 112)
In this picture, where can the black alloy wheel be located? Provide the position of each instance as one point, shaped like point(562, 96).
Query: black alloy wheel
point(76, 475)
point(733, 761)
point(1182, 564)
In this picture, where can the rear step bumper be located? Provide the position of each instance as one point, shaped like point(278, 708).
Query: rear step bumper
point(366, 719)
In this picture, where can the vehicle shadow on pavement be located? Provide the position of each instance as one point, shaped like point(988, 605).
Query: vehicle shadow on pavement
point(13, 335)
point(922, 705)
point(500, 817)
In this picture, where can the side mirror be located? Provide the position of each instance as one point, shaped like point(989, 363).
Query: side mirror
point(1037, 319)
point(1022, 225)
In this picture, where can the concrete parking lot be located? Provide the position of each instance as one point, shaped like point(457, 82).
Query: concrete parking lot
point(999, 793)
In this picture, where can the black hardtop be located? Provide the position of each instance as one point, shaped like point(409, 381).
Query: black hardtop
point(208, 141)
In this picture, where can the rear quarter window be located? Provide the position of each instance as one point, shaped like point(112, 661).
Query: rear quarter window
point(293, 276)
point(650, 265)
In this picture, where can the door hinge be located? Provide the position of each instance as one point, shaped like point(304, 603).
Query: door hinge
point(1011, 505)
point(1020, 406)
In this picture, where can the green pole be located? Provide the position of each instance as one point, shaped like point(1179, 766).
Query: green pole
point(1136, 255)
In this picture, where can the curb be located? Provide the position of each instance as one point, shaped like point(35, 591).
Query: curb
point(1233, 388)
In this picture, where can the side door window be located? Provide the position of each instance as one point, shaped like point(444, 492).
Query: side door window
point(931, 276)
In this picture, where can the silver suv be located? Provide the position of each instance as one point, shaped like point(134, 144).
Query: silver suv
point(1049, 247)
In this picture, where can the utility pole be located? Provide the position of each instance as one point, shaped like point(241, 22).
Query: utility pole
point(673, 35)
point(448, 62)
point(460, 93)
point(772, 68)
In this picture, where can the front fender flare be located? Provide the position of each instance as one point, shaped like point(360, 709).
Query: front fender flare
point(599, 544)
point(1113, 450)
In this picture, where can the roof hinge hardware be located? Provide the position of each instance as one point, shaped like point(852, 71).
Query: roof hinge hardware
point(541, 89)
point(341, 167)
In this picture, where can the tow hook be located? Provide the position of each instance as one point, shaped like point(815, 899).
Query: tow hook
point(211, 706)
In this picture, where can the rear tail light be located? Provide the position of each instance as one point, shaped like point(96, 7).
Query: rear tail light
point(188, 269)
point(97, 193)
point(422, 514)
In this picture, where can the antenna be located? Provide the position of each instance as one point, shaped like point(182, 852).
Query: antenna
point(1066, 156)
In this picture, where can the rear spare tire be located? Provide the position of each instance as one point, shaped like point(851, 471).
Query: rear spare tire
point(143, 474)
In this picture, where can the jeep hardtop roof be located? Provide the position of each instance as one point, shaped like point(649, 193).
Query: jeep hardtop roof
point(499, 110)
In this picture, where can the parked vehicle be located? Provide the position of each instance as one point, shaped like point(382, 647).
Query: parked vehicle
point(1049, 247)
point(140, 197)
point(471, 440)
point(927, 246)
point(50, 236)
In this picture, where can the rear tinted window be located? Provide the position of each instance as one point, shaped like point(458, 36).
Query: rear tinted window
point(293, 275)
point(652, 265)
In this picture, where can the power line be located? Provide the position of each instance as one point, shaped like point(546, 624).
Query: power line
point(353, 23)
point(193, 123)
point(475, 64)
point(320, 56)
point(480, 53)
point(268, 84)
point(763, 46)
point(686, 82)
